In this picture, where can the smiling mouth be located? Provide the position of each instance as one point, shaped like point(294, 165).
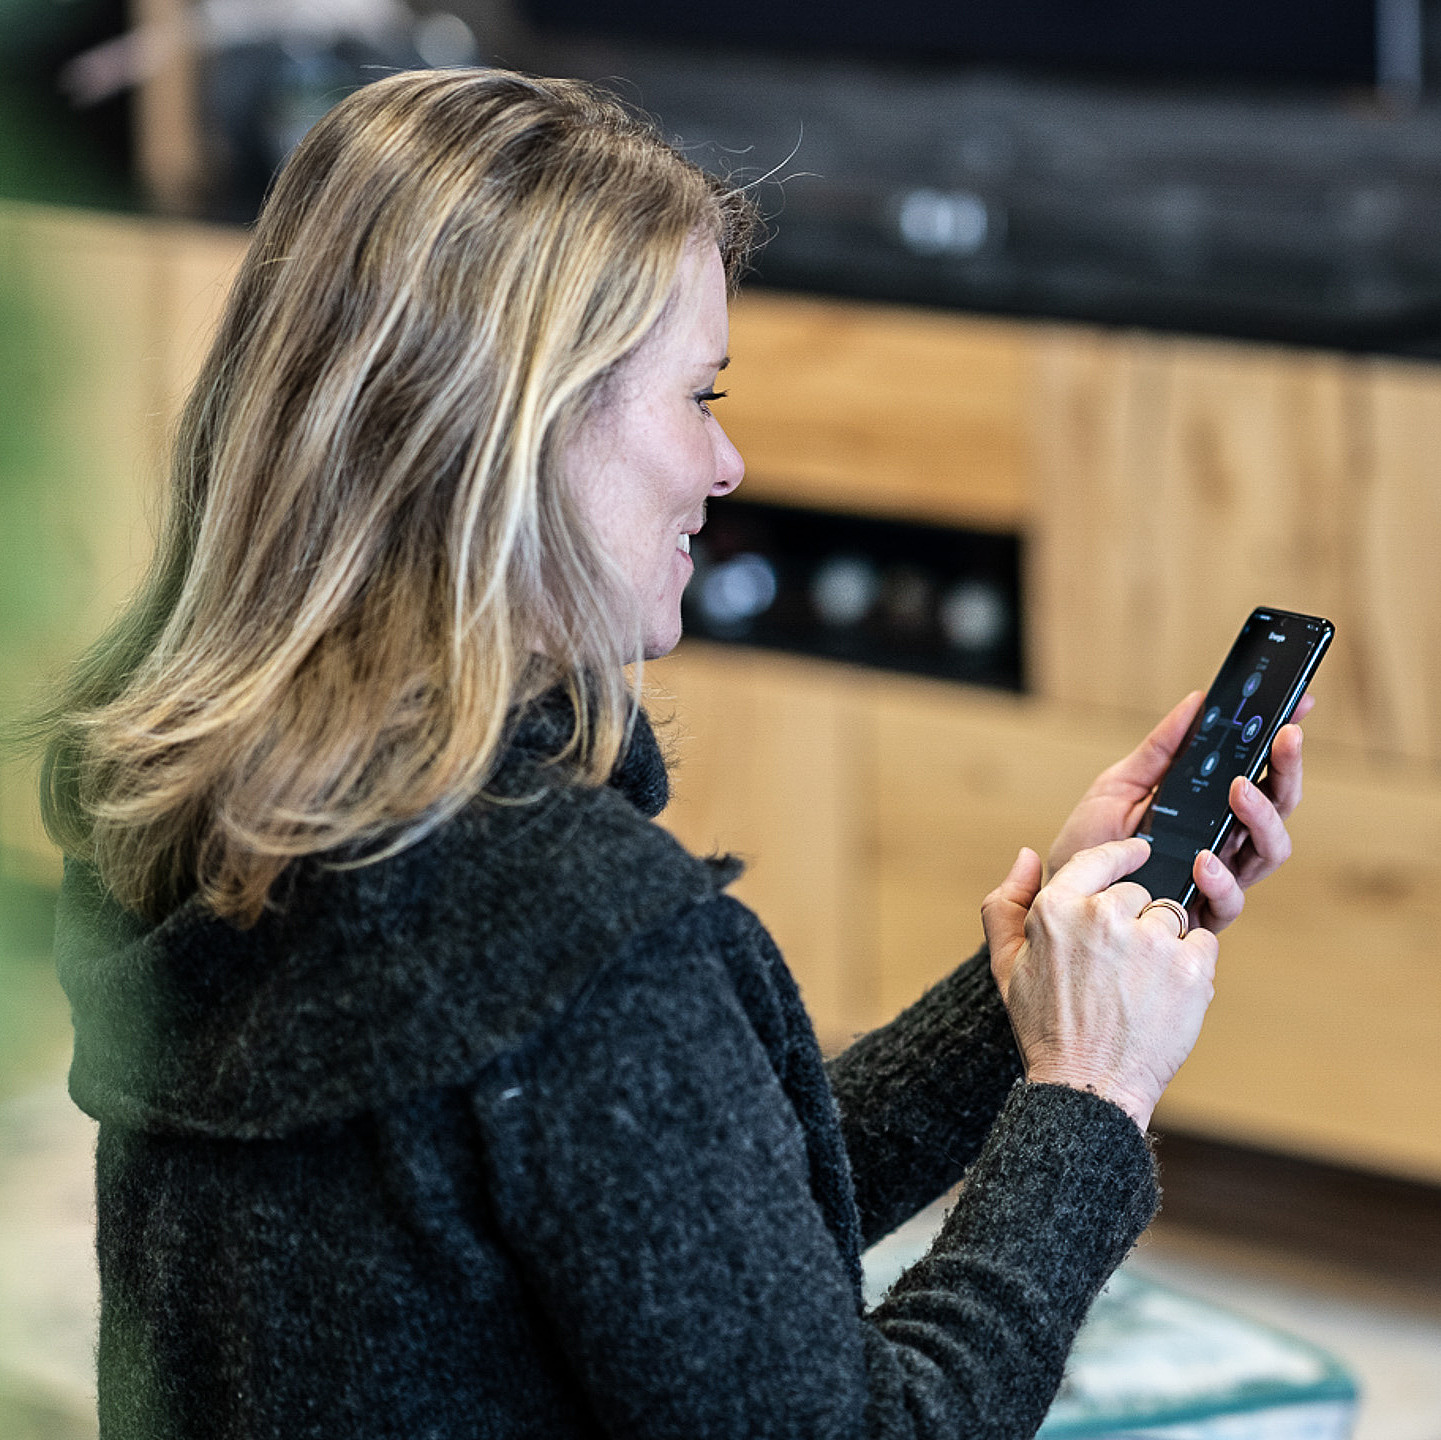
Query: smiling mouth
point(683, 540)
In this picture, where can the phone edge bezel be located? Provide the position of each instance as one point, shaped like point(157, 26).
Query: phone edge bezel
point(1284, 714)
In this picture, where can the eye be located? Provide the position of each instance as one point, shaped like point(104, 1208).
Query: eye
point(706, 396)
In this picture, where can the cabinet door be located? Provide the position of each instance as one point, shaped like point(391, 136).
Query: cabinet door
point(1325, 1035)
point(963, 780)
point(881, 410)
point(1179, 485)
point(1394, 526)
point(877, 812)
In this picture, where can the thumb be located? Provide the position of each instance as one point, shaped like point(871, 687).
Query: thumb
point(1145, 767)
point(1003, 913)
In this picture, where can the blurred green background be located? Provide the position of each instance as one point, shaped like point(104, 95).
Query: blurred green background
point(50, 150)
point(78, 379)
point(37, 604)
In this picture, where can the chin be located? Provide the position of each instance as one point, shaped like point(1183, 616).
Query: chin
point(661, 640)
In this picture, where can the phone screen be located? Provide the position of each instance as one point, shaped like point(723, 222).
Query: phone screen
point(1254, 694)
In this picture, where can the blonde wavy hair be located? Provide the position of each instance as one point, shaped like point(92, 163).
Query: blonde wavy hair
point(369, 561)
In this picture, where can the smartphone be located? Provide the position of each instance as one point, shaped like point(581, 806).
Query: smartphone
point(1253, 696)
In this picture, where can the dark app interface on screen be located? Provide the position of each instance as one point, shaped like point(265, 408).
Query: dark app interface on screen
point(1238, 720)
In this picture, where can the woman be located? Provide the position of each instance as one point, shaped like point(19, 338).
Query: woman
point(440, 1092)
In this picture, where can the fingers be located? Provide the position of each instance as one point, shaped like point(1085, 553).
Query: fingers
point(1147, 763)
point(1258, 846)
point(1284, 770)
point(1204, 950)
point(1266, 833)
point(1115, 800)
point(1167, 914)
point(1261, 842)
point(1088, 872)
point(1101, 997)
point(1022, 882)
point(1004, 911)
point(1221, 893)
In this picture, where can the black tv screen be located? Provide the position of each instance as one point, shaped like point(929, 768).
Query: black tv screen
point(1347, 42)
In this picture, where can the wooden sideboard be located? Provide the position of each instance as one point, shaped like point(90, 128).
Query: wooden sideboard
point(1162, 486)
point(876, 811)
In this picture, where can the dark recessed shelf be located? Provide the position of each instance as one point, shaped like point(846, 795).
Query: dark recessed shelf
point(926, 599)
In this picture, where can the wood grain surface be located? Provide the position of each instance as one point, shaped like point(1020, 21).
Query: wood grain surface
point(875, 409)
point(1325, 1036)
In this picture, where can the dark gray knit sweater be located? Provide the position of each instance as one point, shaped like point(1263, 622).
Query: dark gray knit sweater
point(524, 1132)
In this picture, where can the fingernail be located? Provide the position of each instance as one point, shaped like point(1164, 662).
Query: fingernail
point(1213, 865)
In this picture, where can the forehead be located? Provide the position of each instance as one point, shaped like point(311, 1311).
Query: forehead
point(694, 327)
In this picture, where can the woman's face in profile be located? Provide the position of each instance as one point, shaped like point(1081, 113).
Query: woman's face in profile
point(651, 453)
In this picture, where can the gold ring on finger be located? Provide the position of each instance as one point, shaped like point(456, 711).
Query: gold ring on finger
point(1183, 921)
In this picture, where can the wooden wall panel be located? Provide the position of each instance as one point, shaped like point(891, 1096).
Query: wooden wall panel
point(1179, 484)
point(1393, 517)
point(1325, 1035)
point(1257, 456)
point(1090, 586)
point(879, 409)
point(963, 779)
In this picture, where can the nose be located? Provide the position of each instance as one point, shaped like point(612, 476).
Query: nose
point(729, 468)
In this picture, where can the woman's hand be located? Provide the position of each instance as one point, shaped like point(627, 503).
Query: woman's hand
point(1112, 808)
point(1100, 997)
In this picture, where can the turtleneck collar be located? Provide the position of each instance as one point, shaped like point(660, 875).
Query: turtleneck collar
point(640, 774)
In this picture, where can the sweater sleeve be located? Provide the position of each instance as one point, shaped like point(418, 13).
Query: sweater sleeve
point(651, 1180)
point(919, 1096)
